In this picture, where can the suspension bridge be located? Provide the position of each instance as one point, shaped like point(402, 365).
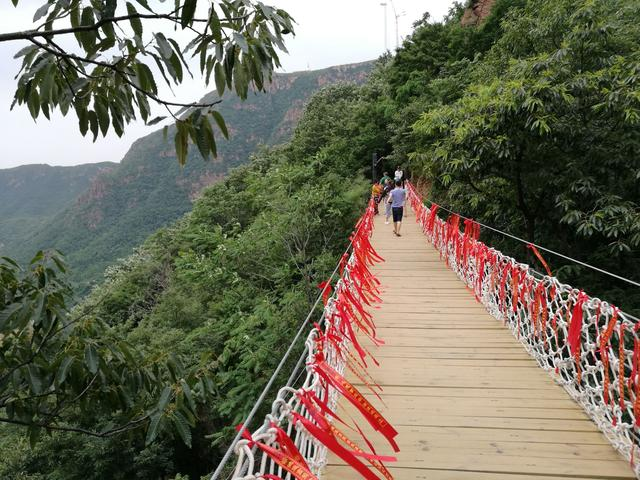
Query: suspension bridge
point(448, 360)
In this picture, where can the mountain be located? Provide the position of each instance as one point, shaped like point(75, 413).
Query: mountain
point(148, 189)
point(31, 194)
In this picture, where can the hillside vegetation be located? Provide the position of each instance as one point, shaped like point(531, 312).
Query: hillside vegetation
point(31, 194)
point(527, 121)
point(149, 189)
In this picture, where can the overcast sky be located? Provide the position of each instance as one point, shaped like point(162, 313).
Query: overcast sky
point(328, 32)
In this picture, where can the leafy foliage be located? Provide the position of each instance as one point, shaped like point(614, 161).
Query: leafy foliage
point(546, 142)
point(60, 370)
point(225, 288)
point(235, 41)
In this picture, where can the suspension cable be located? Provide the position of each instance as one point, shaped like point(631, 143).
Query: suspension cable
point(539, 247)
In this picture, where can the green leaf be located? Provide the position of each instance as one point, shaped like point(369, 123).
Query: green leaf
point(144, 4)
point(219, 78)
point(146, 79)
point(25, 51)
point(240, 81)
point(165, 396)
point(152, 430)
point(182, 427)
point(63, 370)
point(221, 123)
point(214, 25)
point(83, 119)
point(109, 9)
point(35, 378)
point(202, 139)
point(136, 24)
point(163, 45)
point(88, 37)
point(102, 112)
point(181, 141)
point(74, 17)
point(7, 312)
point(33, 102)
point(188, 11)
point(239, 40)
point(41, 12)
point(91, 358)
point(174, 61)
point(93, 124)
point(176, 47)
point(188, 395)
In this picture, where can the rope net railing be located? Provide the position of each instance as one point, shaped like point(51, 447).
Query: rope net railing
point(588, 346)
point(303, 425)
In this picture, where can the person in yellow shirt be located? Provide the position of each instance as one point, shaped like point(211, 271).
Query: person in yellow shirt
point(376, 192)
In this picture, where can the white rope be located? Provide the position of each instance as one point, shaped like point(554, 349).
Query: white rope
point(539, 312)
point(540, 247)
point(252, 463)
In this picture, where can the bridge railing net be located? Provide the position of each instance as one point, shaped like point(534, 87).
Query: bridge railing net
point(267, 453)
point(587, 345)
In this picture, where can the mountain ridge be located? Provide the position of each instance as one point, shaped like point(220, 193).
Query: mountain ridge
point(148, 189)
point(30, 194)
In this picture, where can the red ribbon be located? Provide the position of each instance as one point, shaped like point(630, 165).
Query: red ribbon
point(575, 328)
point(539, 255)
point(351, 393)
point(326, 290)
point(288, 458)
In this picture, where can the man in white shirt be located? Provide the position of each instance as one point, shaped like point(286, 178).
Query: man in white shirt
point(399, 175)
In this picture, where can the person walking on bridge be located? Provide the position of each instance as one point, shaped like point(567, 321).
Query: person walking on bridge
point(376, 193)
point(385, 178)
point(399, 175)
point(397, 197)
point(385, 195)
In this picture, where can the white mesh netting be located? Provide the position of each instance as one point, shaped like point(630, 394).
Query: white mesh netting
point(588, 346)
point(330, 340)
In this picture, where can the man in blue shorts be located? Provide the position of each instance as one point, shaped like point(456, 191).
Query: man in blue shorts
point(397, 197)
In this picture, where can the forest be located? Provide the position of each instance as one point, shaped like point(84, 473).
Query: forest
point(527, 122)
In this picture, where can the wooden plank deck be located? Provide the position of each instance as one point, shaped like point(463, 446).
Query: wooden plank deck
point(467, 400)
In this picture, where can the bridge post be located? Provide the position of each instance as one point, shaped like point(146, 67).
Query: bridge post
point(374, 162)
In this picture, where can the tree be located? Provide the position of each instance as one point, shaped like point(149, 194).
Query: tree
point(108, 78)
point(547, 142)
point(62, 370)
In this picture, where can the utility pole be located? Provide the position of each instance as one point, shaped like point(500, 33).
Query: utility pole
point(384, 4)
point(396, 16)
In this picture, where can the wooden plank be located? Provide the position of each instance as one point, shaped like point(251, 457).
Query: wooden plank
point(479, 393)
point(338, 472)
point(482, 406)
point(467, 400)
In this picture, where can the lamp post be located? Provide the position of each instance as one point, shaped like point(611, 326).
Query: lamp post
point(384, 4)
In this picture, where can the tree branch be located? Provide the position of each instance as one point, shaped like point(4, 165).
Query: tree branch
point(31, 34)
point(127, 426)
point(124, 76)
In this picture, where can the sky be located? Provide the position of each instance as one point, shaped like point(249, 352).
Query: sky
point(328, 32)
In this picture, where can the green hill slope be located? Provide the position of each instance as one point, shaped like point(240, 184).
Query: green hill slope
point(31, 194)
point(149, 189)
